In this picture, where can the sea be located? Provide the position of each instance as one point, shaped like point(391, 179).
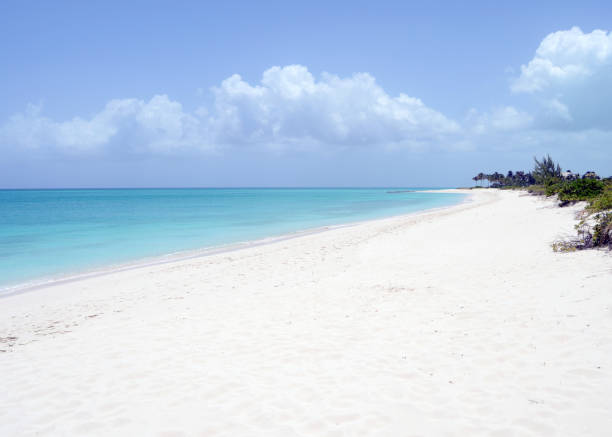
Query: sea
point(49, 235)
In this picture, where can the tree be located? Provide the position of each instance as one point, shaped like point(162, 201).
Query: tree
point(546, 171)
point(497, 178)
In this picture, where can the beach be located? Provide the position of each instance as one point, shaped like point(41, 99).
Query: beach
point(455, 321)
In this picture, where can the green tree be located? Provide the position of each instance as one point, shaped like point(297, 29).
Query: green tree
point(546, 171)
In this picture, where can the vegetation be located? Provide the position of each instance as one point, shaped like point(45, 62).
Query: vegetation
point(538, 190)
point(546, 172)
point(547, 178)
point(512, 179)
point(602, 230)
point(602, 202)
point(579, 189)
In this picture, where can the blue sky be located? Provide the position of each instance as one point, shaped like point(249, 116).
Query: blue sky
point(310, 94)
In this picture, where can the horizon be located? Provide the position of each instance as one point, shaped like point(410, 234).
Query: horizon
point(230, 187)
point(225, 188)
point(277, 95)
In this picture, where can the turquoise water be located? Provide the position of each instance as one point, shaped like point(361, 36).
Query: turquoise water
point(50, 233)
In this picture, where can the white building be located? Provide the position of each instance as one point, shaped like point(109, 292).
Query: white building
point(568, 175)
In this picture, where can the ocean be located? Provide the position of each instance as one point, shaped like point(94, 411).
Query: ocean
point(51, 234)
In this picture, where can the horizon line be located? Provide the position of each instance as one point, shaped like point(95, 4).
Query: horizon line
point(220, 187)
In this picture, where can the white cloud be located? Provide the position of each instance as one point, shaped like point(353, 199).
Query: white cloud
point(564, 57)
point(159, 125)
point(571, 76)
point(288, 108)
point(501, 119)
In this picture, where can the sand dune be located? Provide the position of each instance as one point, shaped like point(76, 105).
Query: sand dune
point(455, 322)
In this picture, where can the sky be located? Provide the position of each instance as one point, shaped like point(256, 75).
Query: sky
point(277, 93)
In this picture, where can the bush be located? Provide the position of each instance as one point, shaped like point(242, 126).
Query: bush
point(580, 189)
point(602, 231)
point(537, 190)
point(552, 188)
point(602, 202)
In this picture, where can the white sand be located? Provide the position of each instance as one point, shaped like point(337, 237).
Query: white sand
point(460, 322)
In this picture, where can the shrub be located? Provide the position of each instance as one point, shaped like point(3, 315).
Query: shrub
point(602, 202)
point(602, 231)
point(552, 188)
point(580, 189)
point(538, 190)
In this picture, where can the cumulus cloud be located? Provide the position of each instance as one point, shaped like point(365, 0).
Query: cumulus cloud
point(571, 76)
point(288, 108)
point(568, 85)
point(566, 57)
point(569, 79)
point(159, 125)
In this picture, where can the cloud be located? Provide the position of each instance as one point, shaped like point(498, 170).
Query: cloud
point(565, 57)
point(159, 125)
point(502, 119)
point(571, 78)
point(288, 108)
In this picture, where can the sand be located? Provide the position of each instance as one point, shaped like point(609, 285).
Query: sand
point(457, 322)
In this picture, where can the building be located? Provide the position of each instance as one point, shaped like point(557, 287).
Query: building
point(590, 175)
point(569, 176)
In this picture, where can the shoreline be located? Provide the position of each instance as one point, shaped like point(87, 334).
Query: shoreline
point(182, 255)
point(461, 321)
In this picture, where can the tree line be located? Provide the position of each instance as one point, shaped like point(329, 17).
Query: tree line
point(547, 178)
point(545, 172)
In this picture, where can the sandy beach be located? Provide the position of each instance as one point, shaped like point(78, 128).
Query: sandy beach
point(455, 322)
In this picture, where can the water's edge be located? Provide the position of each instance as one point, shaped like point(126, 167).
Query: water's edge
point(178, 256)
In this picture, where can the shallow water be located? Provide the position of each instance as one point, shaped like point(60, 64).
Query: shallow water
point(51, 233)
